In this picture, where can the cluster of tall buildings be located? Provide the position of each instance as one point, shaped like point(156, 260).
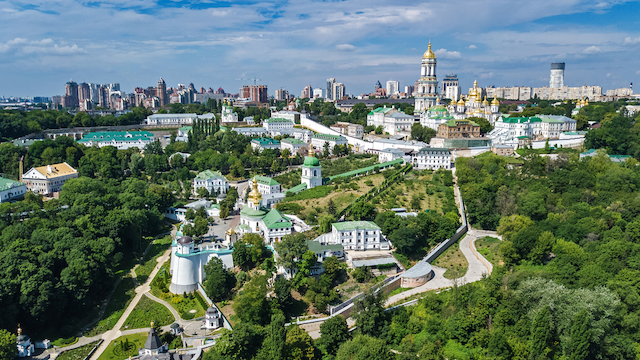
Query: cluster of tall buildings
point(87, 96)
point(335, 90)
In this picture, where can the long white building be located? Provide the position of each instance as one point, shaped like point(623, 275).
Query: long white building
point(356, 235)
point(432, 158)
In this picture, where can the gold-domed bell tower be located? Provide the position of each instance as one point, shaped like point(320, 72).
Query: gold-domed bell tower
point(255, 197)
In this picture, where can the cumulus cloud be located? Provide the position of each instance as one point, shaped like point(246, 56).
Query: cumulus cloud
point(444, 54)
point(345, 47)
point(220, 13)
point(608, 74)
point(630, 40)
point(472, 47)
point(592, 50)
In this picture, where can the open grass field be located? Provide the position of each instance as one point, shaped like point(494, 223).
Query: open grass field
point(488, 247)
point(420, 185)
point(147, 311)
point(77, 353)
point(453, 260)
point(342, 195)
point(121, 298)
point(115, 349)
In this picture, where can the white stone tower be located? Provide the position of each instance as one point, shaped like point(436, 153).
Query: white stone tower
point(556, 78)
point(427, 89)
point(311, 170)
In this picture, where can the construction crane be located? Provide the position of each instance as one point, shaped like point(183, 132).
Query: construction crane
point(255, 80)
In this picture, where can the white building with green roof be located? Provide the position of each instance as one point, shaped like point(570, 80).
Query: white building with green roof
point(264, 143)
point(122, 140)
point(508, 129)
point(292, 144)
point(11, 190)
point(267, 185)
point(213, 181)
point(227, 114)
point(356, 235)
point(318, 141)
point(391, 119)
point(275, 124)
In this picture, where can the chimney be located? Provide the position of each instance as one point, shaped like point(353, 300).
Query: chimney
point(49, 168)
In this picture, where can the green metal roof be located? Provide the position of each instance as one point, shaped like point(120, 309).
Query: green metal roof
point(6, 184)
point(454, 122)
point(311, 161)
point(327, 137)
point(216, 206)
point(278, 120)
point(266, 141)
point(275, 220)
point(356, 225)
point(209, 174)
point(265, 180)
point(298, 188)
point(367, 169)
point(247, 211)
point(117, 136)
point(383, 110)
point(317, 247)
point(521, 120)
point(293, 141)
point(186, 128)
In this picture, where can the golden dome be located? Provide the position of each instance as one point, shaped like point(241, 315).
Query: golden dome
point(485, 102)
point(429, 54)
point(495, 102)
point(254, 195)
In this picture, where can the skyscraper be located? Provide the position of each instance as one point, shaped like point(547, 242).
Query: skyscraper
point(71, 95)
point(427, 88)
point(393, 87)
point(307, 92)
point(84, 92)
point(161, 92)
point(330, 83)
point(557, 75)
point(451, 87)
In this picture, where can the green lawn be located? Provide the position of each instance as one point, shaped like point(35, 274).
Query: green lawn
point(121, 298)
point(65, 341)
point(184, 306)
point(147, 311)
point(77, 353)
point(151, 258)
point(488, 247)
point(115, 352)
point(453, 260)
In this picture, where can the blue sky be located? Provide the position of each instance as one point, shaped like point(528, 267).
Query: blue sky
point(289, 44)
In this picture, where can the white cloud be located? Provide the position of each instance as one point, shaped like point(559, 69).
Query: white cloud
point(638, 72)
point(488, 75)
point(345, 47)
point(592, 50)
point(472, 47)
point(44, 46)
point(444, 54)
point(608, 74)
point(220, 13)
point(630, 40)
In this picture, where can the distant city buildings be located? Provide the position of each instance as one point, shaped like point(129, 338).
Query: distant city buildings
point(556, 77)
point(281, 94)
point(393, 88)
point(256, 93)
point(335, 90)
point(306, 92)
point(451, 87)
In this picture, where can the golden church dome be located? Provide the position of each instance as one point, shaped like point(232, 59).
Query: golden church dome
point(429, 53)
point(255, 196)
point(495, 102)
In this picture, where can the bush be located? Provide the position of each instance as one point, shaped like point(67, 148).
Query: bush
point(176, 300)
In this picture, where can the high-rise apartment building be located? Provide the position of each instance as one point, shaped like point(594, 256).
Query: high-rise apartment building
point(70, 98)
point(306, 92)
point(161, 92)
point(451, 81)
point(281, 94)
point(556, 79)
point(317, 93)
point(409, 89)
point(84, 92)
point(257, 93)
point(330, 83)
point(338, 91)
point(393, 87)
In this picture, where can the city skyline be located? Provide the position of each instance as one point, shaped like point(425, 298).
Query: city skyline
point(292, 45)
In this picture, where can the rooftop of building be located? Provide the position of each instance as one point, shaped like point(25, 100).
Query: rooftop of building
point(247, 211)
point(185, 115)
point(266, 141)
point(278, 120)
point(329, 137)
point(209, 174)
point(265, 180)
point(6, 184)
point(275, 220)
point(425, 149)
point(293, 141)
point(61, 169)
point(456, 122)
point(298, 188)
point(355, 225)
point(101, 136)
point(317, 247)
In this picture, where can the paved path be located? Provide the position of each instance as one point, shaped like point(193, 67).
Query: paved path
point(140, 291)
point(478, 268)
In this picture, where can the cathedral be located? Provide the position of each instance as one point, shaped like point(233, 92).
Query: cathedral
point(472, 106)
